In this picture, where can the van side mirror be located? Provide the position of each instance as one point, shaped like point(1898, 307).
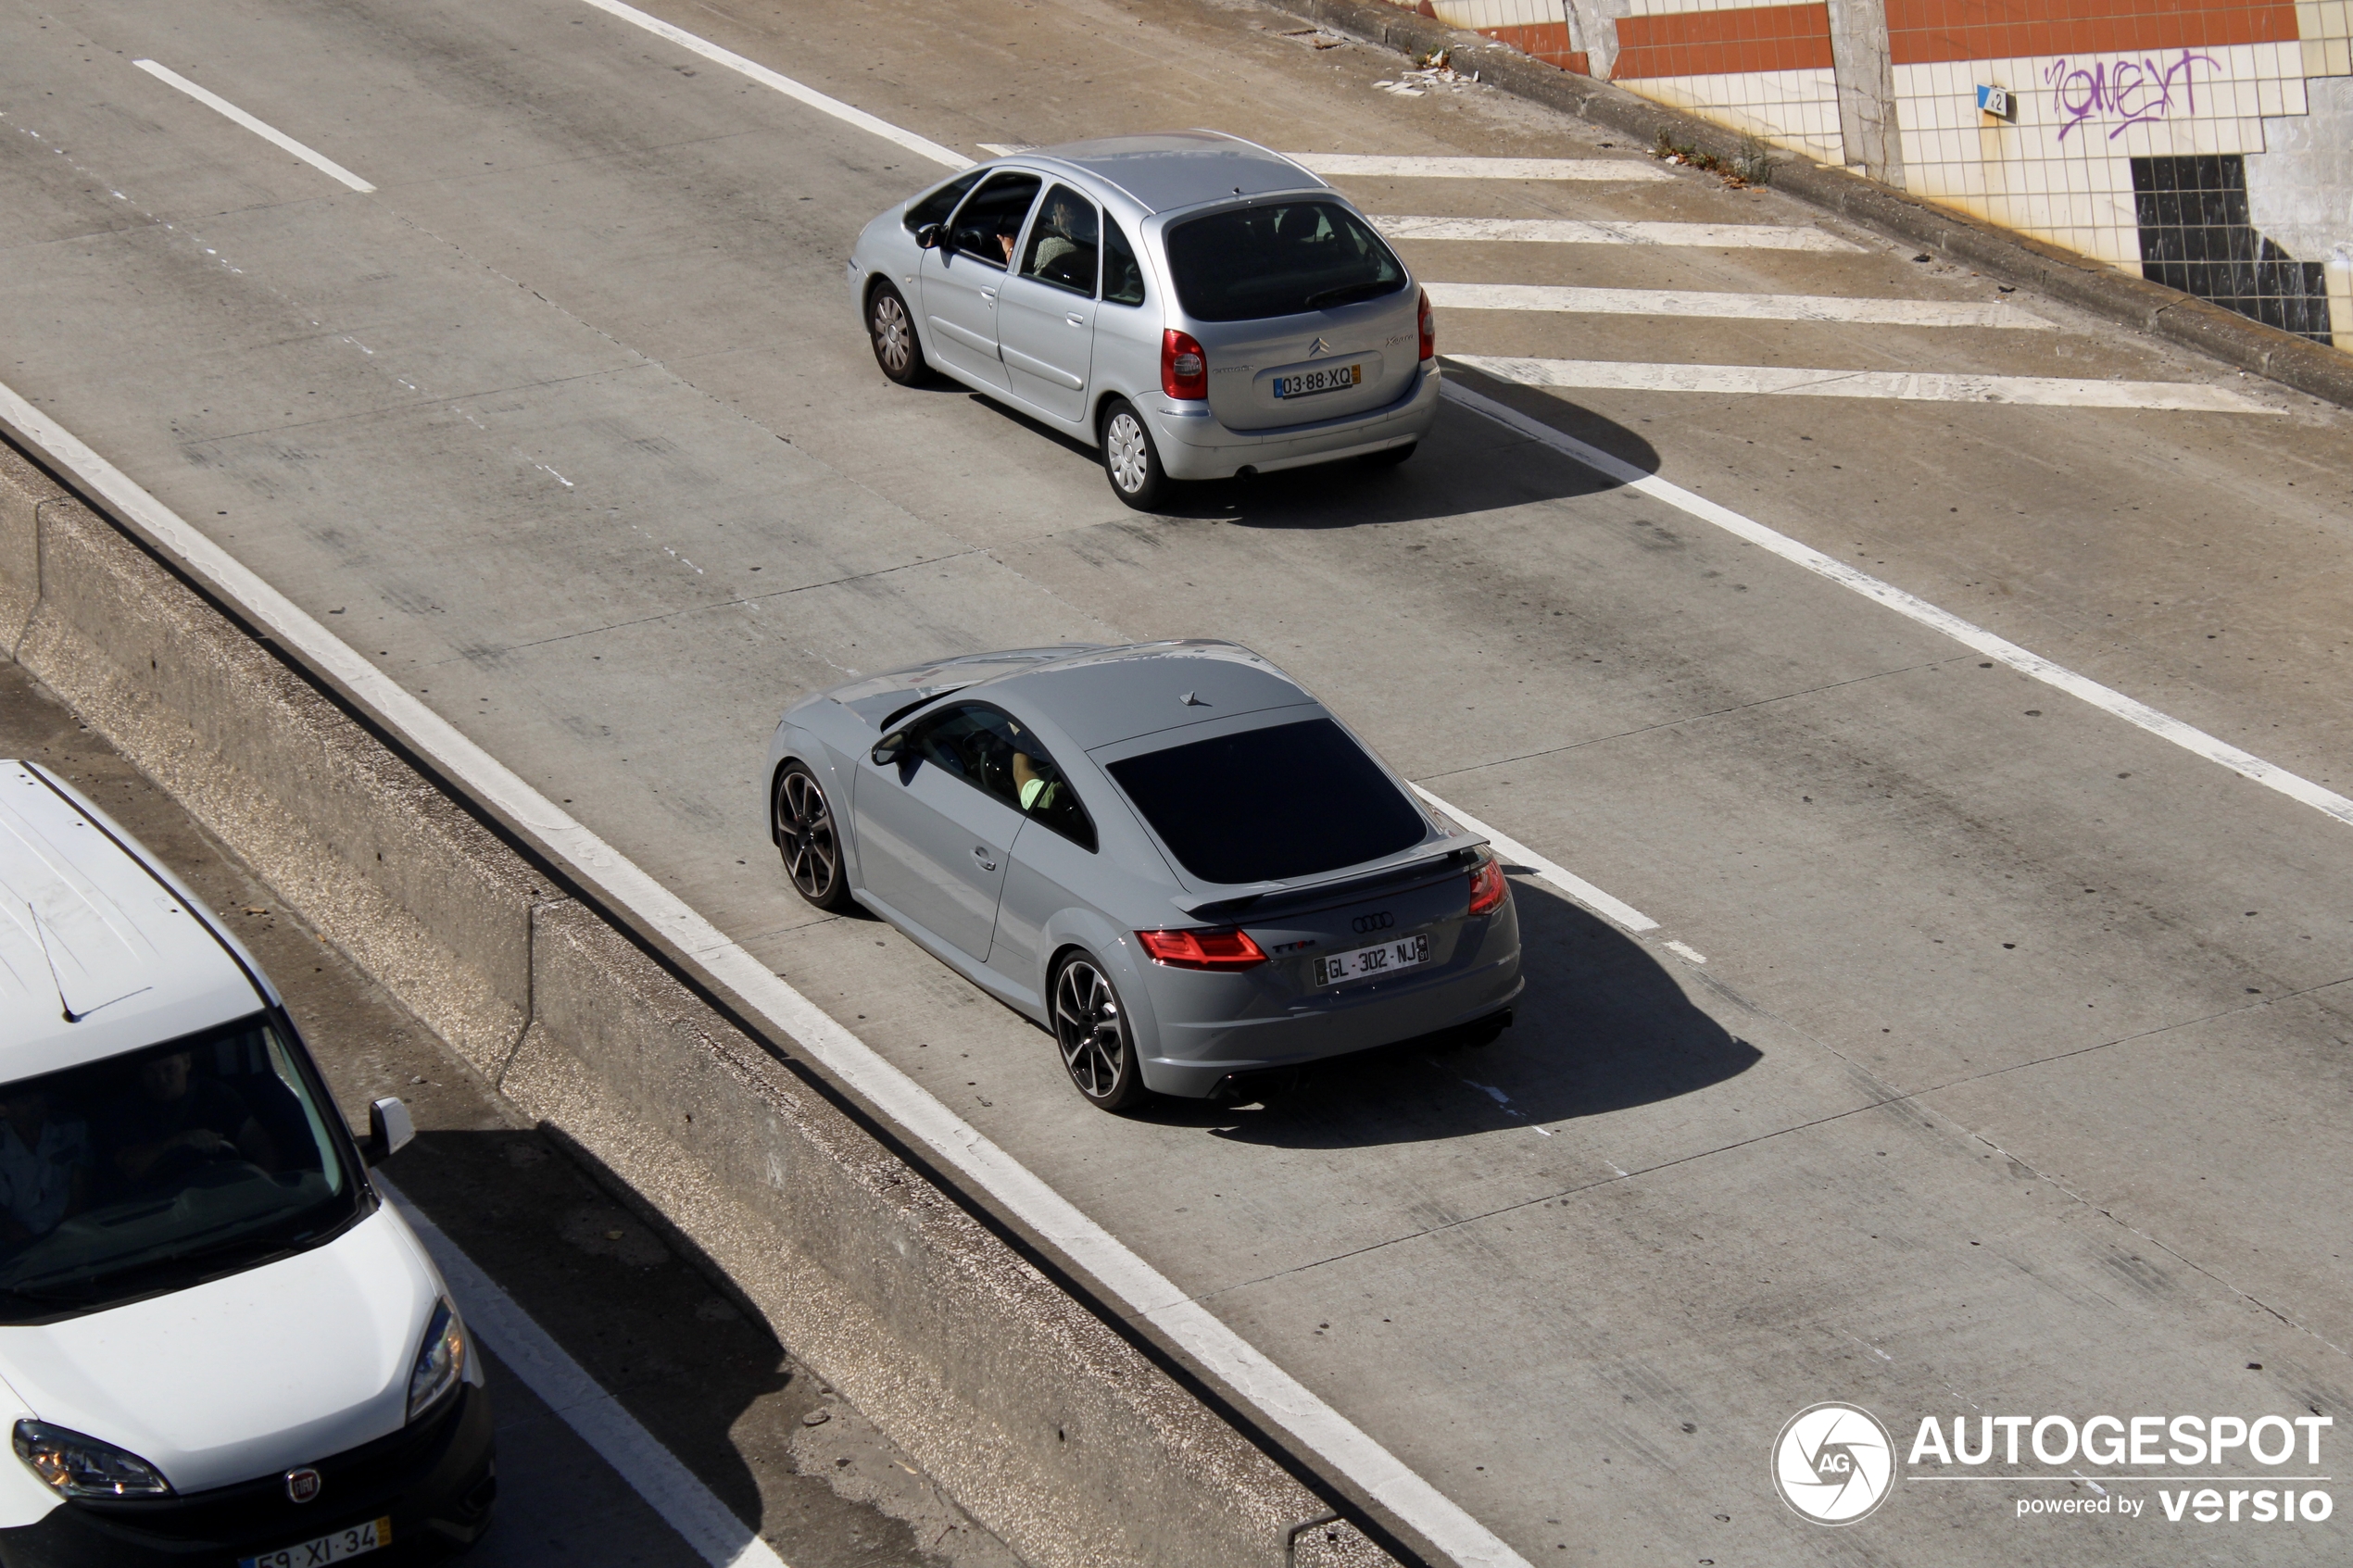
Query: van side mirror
point(889, 750)
point(930, 237)
point(390, 1129)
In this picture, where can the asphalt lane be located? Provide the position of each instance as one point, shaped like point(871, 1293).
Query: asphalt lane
point(1990, 1094)
point(773, 1443)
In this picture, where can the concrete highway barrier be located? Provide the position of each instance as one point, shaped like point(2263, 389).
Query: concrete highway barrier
point(1050, 1425)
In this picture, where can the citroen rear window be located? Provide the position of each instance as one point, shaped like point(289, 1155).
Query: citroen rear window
point(1250, 263)
point(1289, 800)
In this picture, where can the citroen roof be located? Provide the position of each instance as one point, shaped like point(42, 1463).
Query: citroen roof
point(1173, 169)
point(99, 952)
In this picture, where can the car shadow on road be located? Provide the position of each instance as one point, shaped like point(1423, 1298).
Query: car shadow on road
point(1466, 464)
point(1602, 1026)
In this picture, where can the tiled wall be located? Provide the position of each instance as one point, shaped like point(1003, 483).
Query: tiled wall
point(2137, 130)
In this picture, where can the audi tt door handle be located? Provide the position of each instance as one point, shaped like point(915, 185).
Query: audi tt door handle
point(986, 856)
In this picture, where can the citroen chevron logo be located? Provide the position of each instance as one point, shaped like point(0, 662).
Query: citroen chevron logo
point(1318, 346)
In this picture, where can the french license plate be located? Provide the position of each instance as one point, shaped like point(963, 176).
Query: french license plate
point(1330, 378)
point(334, 1548)
point(1403, 953)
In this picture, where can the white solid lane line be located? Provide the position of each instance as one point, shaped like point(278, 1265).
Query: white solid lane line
point(1615, 911)
point(1281, 1399)
point(674, 1491)
point(1588, 232)
point(1603, 168)
point(267, 132)
point(821, 102)
point(2165, 727)
point(1738, 306)
point(1907, 386)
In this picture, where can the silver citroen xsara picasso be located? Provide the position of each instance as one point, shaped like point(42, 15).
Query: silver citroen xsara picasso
point(1191, 304)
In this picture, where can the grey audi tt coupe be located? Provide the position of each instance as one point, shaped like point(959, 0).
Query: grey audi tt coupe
point(1169, 854)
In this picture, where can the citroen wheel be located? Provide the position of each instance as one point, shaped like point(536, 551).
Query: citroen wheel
point(893, 328)
point(808, 840)
point(1099, 1050)
point(1129, 457)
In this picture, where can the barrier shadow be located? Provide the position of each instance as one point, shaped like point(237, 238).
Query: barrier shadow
point(1466, 464)
point(1602, 1026)
point(649, 1316)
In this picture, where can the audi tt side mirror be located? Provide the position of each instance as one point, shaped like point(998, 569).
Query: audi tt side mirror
point(930, 237)
point(889, 749)
point(390, 1130)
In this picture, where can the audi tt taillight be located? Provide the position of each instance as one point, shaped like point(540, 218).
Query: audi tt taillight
point(1184, 369)
point(1224, 948)
point(1429, 329)
point(1488, 888)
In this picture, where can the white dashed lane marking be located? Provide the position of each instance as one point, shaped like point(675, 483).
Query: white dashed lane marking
point(262, 129)
point(1907, 387)
point(1587, 232)
point(1734, 307)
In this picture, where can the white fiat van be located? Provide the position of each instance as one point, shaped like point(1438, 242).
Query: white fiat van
point(218, 1344)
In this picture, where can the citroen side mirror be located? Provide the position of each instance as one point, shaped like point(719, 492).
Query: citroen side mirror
point(930, 237)
point(390, 1129)
point(889, 750)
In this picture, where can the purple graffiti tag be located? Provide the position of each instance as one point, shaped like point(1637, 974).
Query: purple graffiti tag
point(2131, 91)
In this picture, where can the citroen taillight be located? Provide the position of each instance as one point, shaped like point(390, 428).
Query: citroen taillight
point(1429, 328)
point(1184, 368)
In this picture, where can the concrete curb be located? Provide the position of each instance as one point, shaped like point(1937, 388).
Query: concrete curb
point(1047, 1424)
point(2181, 319)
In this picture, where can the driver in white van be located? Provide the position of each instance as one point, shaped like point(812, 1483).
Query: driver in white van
point(44, 1166)
point(175, 1110)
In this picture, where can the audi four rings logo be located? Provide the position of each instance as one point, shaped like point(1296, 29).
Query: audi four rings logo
point(1380, 922)
point(302, 1485)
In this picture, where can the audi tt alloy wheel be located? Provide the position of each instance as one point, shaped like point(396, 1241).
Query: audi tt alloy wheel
point(1092, 1031)
point(805, 838)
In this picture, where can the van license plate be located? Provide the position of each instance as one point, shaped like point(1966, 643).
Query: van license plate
point(1403, 953)
point(1331, 378)
point(334, 1548)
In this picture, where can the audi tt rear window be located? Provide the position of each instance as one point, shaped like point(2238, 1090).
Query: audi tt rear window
point(1259, 261)
point(1265, 805)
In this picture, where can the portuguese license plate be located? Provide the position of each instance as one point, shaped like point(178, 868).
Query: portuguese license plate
point(1330, 378)
point(334, 1548)
point(1403, 953)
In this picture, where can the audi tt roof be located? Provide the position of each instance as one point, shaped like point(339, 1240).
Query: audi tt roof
point(1173, 169)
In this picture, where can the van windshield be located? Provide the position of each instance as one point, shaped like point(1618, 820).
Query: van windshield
point(1254, 262)
point(162, 1167)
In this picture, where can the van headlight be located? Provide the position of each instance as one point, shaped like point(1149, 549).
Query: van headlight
point(441, 1360)
point(83, 1467)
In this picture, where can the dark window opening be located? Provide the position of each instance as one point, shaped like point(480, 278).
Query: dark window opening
point(2196, 235)
point(935, 208)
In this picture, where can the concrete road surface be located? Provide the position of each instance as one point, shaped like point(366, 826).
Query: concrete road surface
point(1999, 1066)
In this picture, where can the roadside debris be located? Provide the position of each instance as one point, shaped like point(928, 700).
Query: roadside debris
point(1433, 70)
point(1753, 165)
point(1314, 37)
